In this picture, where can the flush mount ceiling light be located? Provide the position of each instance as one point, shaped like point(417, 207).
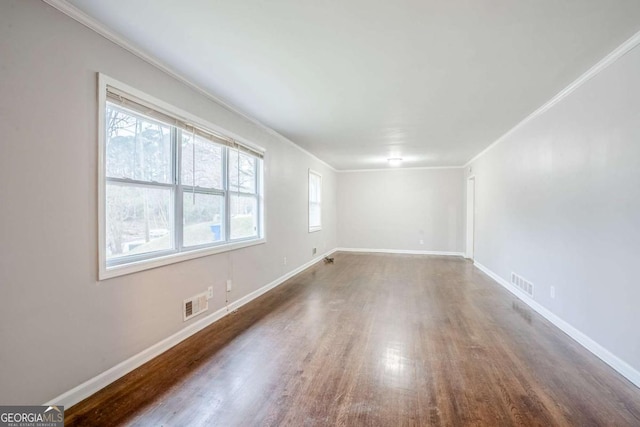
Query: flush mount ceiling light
point(395, 161)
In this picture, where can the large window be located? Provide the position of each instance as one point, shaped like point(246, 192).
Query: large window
point(315, 201)
point(171, 189)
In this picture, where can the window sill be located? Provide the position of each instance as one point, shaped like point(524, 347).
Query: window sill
point(314, 229)
point(133, 267)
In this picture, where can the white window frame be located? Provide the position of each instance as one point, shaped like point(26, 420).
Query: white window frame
point(314, 228)
point(179, 253)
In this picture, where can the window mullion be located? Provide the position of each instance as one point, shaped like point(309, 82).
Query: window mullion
point(242, 193)
point(202, 190)
point(257, 167)
point(178, 199)
point(138, 183)
point(227, 198)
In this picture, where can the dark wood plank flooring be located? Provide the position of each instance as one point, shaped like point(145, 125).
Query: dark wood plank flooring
point(373, 340)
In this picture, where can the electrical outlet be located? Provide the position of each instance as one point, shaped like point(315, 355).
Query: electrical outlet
point(421, 242)
point(285, 261)
point(210, 292)
point(313, 251)
point(553, 291)
point(229, 283)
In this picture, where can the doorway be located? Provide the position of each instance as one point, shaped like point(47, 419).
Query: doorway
point(471, 210)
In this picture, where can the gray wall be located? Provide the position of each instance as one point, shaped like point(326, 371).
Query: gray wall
point(396, 208)
point(59, 326)
point(558, 201)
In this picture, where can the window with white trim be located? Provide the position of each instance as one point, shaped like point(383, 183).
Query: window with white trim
point(315, 201)
point(172, 187)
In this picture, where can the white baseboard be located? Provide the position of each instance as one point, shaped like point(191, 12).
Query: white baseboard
point(605, 355)
point(102, 380)
point(255, 294)
point(399, 251)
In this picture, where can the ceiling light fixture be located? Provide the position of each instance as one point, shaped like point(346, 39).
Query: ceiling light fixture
point(395, 161)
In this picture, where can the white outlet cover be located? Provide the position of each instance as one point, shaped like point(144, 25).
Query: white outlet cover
point(229, 284)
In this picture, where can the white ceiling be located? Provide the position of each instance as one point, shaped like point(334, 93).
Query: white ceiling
point(358, 81)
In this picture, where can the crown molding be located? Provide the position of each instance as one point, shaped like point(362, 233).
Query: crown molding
point(391, 169)
point(605, 62)
point(76, 14)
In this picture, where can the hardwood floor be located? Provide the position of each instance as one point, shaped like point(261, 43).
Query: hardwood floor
point(373, 340)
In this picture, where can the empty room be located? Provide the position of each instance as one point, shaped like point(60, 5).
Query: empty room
point(340, 213)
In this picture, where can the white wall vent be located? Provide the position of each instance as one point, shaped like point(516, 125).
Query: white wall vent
point(195, 305)
point(523, 284)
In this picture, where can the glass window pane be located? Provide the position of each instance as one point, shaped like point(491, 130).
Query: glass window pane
point(314, 215)
point(315, 204)
point(242, 172)
point(203, 219)
point(244, 216)
point(314, 188)
point(205, 169)
point(138, 220)
point(137, 148)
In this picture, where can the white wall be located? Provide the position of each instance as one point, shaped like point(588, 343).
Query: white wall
point(59, 326)
point(558, 202)
point(396, 208)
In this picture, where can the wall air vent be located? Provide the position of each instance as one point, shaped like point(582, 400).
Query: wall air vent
point(523, 284)
point(195, 305)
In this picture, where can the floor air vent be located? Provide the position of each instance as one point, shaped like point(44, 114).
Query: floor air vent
point(195, 305)
point(523, 284)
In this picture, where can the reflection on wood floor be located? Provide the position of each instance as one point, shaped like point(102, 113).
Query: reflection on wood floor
point(373, 339)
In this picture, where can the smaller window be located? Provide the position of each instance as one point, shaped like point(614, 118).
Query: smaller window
point(315, 201)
